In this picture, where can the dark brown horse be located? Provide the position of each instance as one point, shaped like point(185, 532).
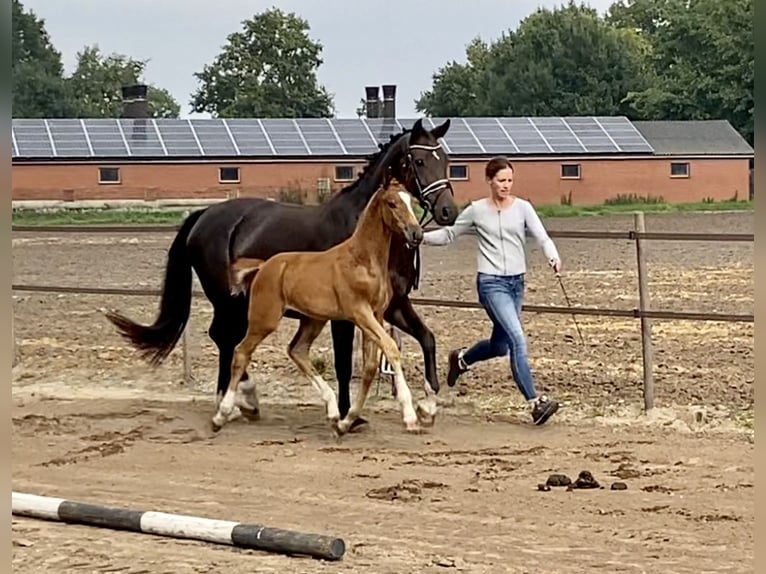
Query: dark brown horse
point(211, 238)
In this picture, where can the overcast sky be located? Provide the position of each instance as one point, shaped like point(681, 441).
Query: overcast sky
point(400, 42)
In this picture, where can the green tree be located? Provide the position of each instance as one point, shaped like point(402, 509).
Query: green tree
point(266, 70)
point(96, 86)
point(703, 56)
point(563, 61)
point(39, 90)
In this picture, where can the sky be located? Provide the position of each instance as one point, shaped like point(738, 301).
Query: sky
point(402, 42)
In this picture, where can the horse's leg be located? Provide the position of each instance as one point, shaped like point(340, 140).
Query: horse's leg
point(227, 329)
point(401, 314)
point(370, 361)
point(343, 349)
point(373, 328)
point(298, 350)
point(263, 321)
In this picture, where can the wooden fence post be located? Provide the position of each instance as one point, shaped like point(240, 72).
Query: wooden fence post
point(186, 356)
point(643, 305)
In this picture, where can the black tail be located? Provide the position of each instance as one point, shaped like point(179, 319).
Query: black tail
point(157, 340)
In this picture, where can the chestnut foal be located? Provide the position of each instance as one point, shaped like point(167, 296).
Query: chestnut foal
point(355, 286)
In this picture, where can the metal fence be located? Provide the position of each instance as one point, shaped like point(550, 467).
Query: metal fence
point(638, 235)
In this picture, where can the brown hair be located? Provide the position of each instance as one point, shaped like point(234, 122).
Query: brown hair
point(496, 164)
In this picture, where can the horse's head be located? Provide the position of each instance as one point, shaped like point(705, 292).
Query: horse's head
point(395, 207)
point(423, 168)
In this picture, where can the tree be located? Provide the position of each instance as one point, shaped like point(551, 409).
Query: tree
point(558, 62)
point(703, 56)
point(456, 87)
point(266, 70)
point(96, 86)
point(39, 90)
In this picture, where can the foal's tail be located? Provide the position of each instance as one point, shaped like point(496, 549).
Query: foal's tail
point(242, 271)
point(157, 340)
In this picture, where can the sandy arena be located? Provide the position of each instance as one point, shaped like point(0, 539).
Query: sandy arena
point(92, 422)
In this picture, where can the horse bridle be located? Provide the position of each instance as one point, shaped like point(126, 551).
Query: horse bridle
point(424, 192)
point(431, 188)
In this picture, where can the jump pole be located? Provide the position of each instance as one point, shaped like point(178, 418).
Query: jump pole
point(250, 536)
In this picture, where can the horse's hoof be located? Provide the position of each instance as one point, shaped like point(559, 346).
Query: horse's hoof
point(358, 422)
point(414, 428)
point(215, 427)
point(251, 415)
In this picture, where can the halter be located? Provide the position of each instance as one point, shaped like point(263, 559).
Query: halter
point(431, 188)
point(424, 193)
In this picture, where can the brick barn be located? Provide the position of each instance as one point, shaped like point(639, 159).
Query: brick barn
point(585, 160)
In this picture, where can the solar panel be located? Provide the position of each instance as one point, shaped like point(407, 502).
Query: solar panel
point(178, 138)
point(250, 137)
point(320, 137)
point(106, 139)
point(32, 138)
point(557, 134)
point(214, 137)
point(591, 134)
point(142, 137)
point(525, 136)
point(625, 135)
point(285, 137)
point(384, 128)
point(69, 138)
point(493, 136)
point(356, 137)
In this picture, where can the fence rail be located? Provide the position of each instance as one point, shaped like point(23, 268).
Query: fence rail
point(429, 302)
point(628, 235)
point(637, 235)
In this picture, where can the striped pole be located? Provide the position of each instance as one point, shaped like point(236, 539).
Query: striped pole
point(252, 536)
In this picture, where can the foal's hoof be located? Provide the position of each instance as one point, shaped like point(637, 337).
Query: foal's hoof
point(425, 417)
point(414, 428)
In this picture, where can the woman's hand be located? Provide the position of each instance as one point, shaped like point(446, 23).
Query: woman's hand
point(555, 265)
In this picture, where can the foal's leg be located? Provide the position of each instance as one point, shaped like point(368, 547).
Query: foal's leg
point(370, 361)
point(298, 350)
point(264, 320)
point(372, 327)
point(401, 314)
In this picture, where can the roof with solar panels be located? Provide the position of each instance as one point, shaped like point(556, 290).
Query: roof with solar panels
point(127, 139)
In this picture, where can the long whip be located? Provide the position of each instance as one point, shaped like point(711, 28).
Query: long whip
point(569, 304)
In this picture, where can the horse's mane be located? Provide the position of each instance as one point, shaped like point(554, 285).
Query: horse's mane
point(372, 160)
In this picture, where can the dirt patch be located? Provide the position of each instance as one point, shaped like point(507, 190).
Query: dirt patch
point(92, 422)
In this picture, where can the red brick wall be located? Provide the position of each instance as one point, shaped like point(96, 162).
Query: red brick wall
point(538, 180)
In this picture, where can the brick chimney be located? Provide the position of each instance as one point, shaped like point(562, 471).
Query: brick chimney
point(134, 102)
point(372, 101)
point(389, 101)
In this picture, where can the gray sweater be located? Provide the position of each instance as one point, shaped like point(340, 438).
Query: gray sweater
point(502, 235)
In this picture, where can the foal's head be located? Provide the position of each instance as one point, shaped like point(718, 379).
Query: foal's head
point(395, 208)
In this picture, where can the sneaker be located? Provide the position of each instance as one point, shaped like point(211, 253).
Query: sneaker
point(456, 366)
point(543, 410)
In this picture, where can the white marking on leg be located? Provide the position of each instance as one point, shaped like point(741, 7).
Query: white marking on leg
point(407, 199)
point(328, 396)
point(225, 408)
point(404, 396)
point(247, 396)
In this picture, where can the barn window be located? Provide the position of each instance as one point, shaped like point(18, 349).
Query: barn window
point(228, 175)
point(679, 169)
point(107, 175)
point(344, 172)
point(459, 172)
point(570, 171)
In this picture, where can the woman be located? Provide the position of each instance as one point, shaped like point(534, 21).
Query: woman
point(501, 221)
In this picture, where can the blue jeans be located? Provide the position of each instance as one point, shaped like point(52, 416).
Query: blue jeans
point(502, 297)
